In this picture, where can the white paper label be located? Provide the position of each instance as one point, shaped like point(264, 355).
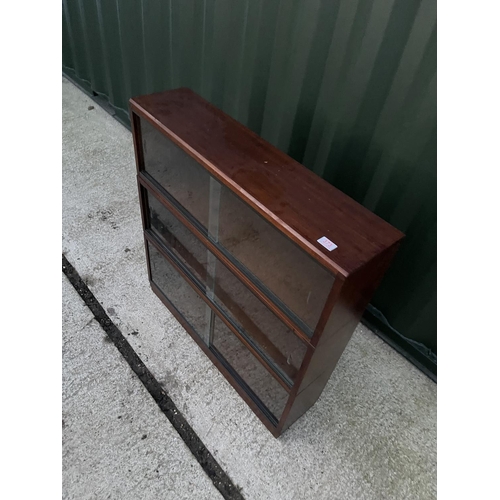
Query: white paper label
point(329, 245)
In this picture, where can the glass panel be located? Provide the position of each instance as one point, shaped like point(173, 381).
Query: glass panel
point(180, 293)
point(291, 276)
point(181, 240)
point(179, 174)
point(265, 387)
point(299, 282)
point(277, 343)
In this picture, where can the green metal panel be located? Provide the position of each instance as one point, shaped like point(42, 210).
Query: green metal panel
point(346, 87)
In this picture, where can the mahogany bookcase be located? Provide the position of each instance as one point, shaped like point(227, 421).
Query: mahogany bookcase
point(266, 265)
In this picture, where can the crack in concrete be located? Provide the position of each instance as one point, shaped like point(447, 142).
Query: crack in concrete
point(214, 471)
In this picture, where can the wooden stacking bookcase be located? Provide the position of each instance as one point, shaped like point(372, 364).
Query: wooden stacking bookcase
point(266, 265)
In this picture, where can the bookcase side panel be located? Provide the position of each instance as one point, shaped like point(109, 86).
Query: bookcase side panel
point(354, 296)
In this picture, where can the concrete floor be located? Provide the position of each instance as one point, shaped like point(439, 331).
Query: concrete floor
point(115, 441)
point(371, 435)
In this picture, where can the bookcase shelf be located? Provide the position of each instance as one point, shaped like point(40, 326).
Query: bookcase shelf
point(266, 266)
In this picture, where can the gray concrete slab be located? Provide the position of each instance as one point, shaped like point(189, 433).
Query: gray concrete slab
point(117, 444)
point(372, 434)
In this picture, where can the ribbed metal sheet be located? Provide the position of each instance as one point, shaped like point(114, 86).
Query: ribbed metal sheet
point(348, 88)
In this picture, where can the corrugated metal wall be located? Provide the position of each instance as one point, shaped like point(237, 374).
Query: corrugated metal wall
point(348, 88)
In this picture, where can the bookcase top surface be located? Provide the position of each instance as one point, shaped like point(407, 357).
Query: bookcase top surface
point(297, 201)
